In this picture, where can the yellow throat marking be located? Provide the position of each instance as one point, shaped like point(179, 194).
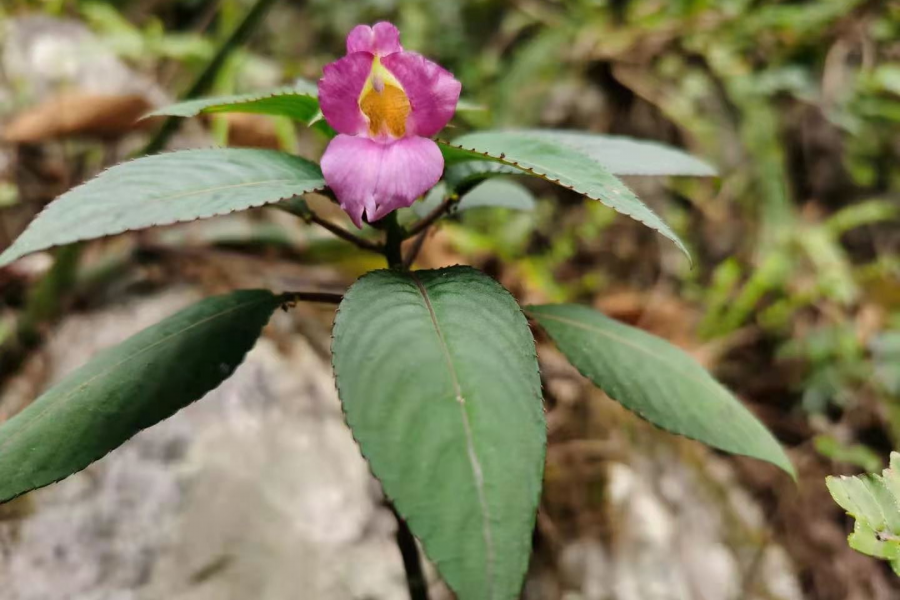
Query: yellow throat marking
point(384, 102)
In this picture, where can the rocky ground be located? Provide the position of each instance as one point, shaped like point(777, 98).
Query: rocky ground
point(258, 491)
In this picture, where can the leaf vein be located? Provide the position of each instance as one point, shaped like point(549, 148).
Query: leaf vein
point(220, 188)
point(474, 462)
point(709, 383)
point(85, 384)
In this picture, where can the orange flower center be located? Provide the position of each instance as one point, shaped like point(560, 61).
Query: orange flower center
point(385, 103)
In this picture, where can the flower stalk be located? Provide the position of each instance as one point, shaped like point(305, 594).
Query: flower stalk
point(394, 236)
point(412, 563)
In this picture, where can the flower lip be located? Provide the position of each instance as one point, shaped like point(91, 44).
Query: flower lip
point(375, 178)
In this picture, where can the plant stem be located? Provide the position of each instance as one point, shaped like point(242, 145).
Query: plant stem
point(325, 297)
point(300, 209)
point(44, 303)
point(394, 238)
point(415, 249)
point(206, 78)
point(433, 216)
point(415, 578)
point(345, 235)
point(420, 229)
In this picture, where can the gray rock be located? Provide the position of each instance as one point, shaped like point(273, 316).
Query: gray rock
point(677, 533)
point(42, 54)
point(259, 491)
point(256, 491)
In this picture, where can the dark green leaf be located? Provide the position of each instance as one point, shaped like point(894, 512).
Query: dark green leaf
point(128, 388)
point(656, 380)
point(297, 102)
point(437, 374)
point(165, 189)
point(560, 164)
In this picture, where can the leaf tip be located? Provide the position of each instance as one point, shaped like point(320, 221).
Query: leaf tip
point(8, 256)
point(784, 463)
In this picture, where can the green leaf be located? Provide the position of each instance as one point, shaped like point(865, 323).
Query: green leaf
point(165, 189)
point(622, 155)
point(466, 105)
point(462, 174)
point(558, 163)
point(493, 193)
point(618, 154)
point(128, 388)
point(874, 501)
point(867, 212)
point(854, 454)
point(656, 380)
point(438, 377)
point(498, 193)
point(297, 102)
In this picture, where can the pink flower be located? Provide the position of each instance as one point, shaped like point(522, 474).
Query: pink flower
point(385, 103)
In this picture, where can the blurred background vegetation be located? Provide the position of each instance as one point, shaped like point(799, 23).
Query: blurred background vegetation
point(793, 298)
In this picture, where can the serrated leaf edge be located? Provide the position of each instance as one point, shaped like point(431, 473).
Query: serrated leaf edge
point(362, 452)
point(5, 255)
point(5, 443)
point(788, 467)
point(249, 99)
point(474, 461)
point(537, 172)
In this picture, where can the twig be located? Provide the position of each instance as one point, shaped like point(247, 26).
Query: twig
point(344, 234)
point(305, 213)
point(433, 216)
point(415, 248)
point(412, 564)
point(205, 80)
point(325, 297)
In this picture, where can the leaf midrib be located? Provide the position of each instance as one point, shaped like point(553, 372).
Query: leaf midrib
point(220, 188)
point(612, 198)
point(778, 458)
point(211, 108)
point(528, 167)
point(84, 385)
point(708, 383)
point(474, 462)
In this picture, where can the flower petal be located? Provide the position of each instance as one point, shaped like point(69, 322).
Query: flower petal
point(432, 90)
point(339, 91)
point(380, 40)
point(377, 178)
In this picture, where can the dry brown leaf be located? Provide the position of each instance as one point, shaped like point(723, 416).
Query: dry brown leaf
point(74, 113)
point(251, 131)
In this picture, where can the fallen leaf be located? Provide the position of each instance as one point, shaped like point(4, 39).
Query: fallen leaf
point(75, 113)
